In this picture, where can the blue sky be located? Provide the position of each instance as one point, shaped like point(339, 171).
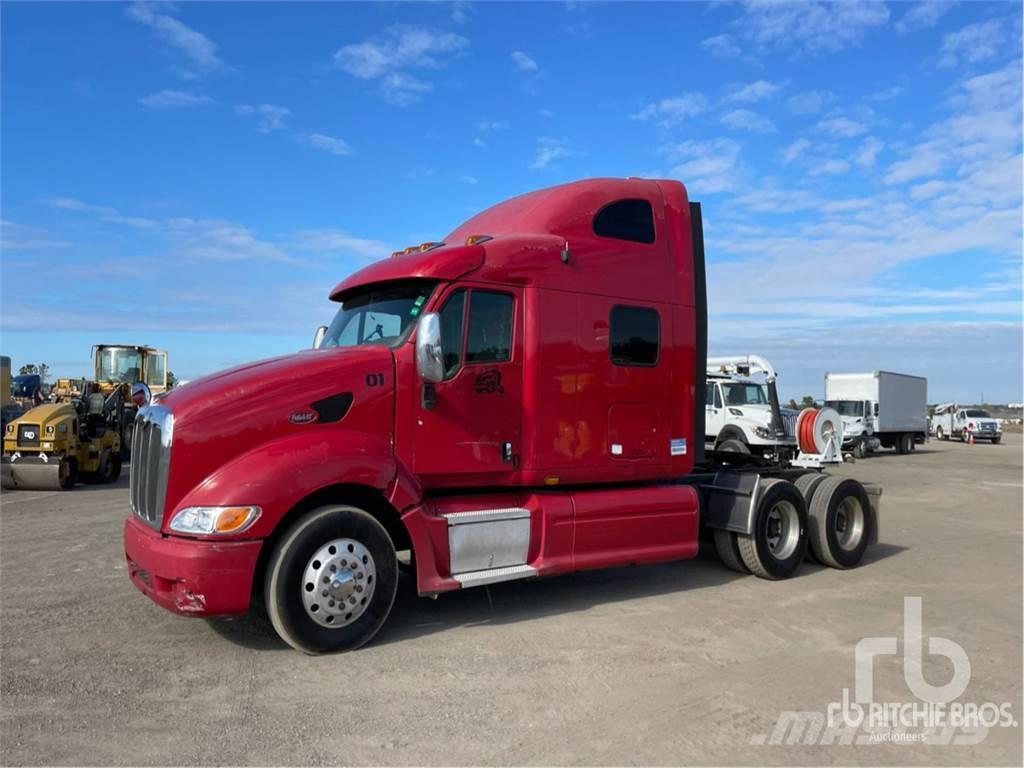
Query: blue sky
point(198, 176)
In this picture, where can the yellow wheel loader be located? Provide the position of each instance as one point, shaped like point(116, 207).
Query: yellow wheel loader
point(54, 445)
point(119, 366)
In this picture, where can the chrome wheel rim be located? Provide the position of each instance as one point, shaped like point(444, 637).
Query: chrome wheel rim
point(783, 530)
point(849, 524)
point(338, 583)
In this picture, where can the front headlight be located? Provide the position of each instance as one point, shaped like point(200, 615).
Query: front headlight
point(763, 432)
point(214, 520)
point(49, 429)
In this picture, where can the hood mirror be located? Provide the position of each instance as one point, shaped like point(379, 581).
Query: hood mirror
point(429, 355)
point(319, 336)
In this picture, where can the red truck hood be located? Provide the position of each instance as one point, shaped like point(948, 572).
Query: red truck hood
point(290, 381)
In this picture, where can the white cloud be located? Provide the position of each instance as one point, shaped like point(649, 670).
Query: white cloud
point(330, 144)
point(926, 160)
point(830, 167)
point(219, 240)
point(672, 110)
point(923, 14)
point(492, 125)
point(269, 117)
point(401, 47)
point(888, 93)
point(868, 152)
point(199, 51)
point(815, 26)
point(973, 43)
point(841, 127)
point(809, 102)
point(794, 149)
point(746, 120)
point(339, 241)
point(548, 151)
point(706, 167)
point(927, 189)
point(523, 62)
point(470, 179)
point(479, 143)
point(168, 99)
point(18, 237)
point(402, 89)
point(759, 90)
point(720, 45)
point(105, 212)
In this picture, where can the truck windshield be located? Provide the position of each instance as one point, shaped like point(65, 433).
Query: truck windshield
point(847, 407)
point(744, 394)
point(978, 413)
point(380, 314)
point(120, 364)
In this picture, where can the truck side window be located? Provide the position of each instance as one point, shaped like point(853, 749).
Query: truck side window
point(626, 220)
point(634, 335)
point(490, 327)
point(451, 315)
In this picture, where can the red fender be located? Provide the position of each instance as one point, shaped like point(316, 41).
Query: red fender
point(282, 472)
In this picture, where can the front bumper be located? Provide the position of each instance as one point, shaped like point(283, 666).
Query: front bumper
point(189, 576)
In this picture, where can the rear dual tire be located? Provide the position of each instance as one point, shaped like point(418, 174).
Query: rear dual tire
point(840, 522)
point(778, 542)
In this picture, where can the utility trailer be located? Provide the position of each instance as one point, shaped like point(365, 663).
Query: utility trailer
point(521, 399)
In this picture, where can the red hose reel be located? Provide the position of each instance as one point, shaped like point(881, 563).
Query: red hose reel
point(815, 429)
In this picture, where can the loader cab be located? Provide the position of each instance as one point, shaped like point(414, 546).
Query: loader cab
point(117, 364)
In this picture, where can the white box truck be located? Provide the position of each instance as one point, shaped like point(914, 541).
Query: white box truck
point(879, 409)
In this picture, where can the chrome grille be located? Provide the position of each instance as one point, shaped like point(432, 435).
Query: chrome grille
point(789, 422)
point(150, 461)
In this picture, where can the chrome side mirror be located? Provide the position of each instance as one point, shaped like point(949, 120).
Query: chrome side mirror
point(141, 394)
point(429, 356)
point(319, 336)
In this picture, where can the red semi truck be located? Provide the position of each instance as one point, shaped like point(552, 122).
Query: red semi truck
point(522, 399)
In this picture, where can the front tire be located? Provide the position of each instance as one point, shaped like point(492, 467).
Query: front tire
point(860, 450)
point(331, 580)
point(939, 434)
point(734, 445)
point(997, 439)
point(778, 542)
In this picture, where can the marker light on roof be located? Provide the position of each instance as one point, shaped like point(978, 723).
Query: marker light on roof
point(475, 239)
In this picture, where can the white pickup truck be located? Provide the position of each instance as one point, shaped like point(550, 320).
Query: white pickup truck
point(952, 421)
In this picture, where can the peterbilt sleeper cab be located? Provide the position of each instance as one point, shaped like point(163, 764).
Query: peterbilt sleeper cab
point(518, 400)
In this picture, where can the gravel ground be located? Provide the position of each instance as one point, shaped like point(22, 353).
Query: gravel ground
point(677, 663)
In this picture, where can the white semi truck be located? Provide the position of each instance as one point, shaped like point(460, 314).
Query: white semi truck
point(879, 409)
point(951, 420)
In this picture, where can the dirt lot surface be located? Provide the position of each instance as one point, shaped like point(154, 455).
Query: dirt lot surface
point(679, 663)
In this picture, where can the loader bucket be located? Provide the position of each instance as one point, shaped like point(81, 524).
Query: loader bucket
point(34, 474)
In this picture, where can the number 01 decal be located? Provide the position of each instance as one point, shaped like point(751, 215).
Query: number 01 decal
point(375, 379)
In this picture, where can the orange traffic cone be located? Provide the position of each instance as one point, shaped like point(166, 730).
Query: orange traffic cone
point(970, 438)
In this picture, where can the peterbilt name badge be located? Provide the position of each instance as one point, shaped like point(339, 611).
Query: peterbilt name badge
point(303, 417)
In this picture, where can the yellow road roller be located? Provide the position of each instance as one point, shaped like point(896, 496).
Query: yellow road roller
point(55, 445)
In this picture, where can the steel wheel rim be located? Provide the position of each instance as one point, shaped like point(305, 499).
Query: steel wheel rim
point(782, 530)
point(338, 583)
point(849, 524)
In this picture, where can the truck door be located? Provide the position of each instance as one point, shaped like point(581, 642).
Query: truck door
point(468, 428)
point(713, 419)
